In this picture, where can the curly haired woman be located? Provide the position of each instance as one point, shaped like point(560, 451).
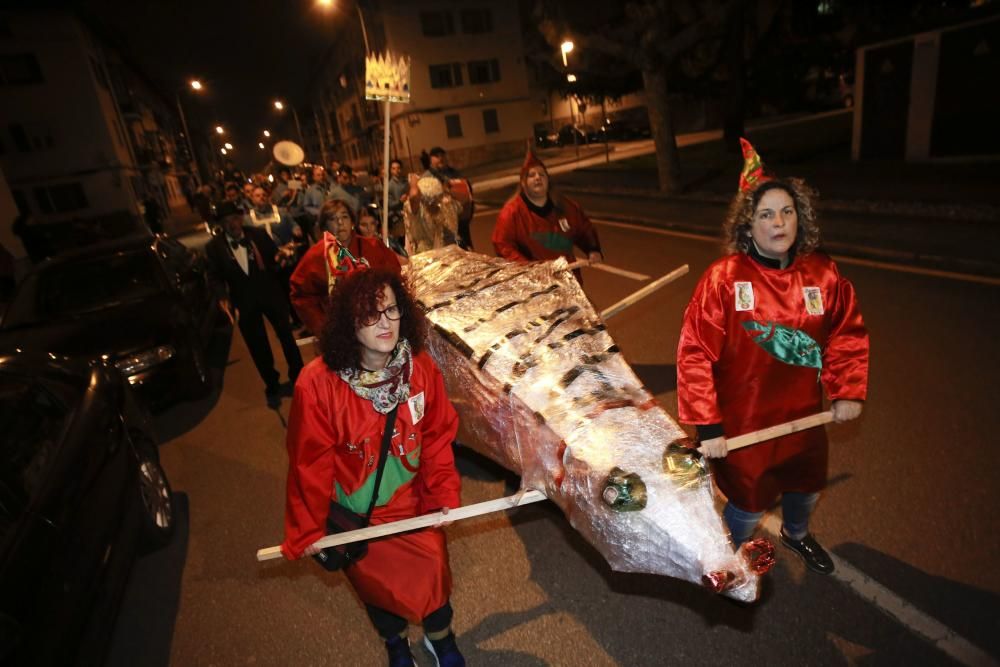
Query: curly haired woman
point(373, 361)
point(770, 327)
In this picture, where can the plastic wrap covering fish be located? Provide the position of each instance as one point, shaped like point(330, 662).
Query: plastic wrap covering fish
point(542, 389)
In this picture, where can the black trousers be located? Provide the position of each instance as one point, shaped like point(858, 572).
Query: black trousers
point(388, 625)
point(251, 325)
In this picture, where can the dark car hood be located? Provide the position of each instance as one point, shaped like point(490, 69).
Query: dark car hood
point(115, 331)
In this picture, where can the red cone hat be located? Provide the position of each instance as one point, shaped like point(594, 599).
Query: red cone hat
point(753, 168)
point(531, 160)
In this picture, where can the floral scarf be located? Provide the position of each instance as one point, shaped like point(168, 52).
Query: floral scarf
point(385, 388)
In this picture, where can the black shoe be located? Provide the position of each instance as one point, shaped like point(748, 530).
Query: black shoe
point(811, 553)
point(273, 396)
point(445, 651)
point(399, 652)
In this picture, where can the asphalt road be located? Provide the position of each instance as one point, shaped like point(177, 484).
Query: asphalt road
point(910, 505)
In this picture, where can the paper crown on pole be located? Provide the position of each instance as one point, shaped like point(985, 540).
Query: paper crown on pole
point(753, 168)
point(387, 77)
point(531, 160)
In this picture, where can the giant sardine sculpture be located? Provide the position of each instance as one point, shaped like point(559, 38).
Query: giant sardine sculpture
point(542, 389)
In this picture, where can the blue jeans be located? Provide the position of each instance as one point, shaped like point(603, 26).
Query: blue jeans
point(795, 511)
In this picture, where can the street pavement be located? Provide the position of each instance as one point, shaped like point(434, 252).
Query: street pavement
point(911, 514)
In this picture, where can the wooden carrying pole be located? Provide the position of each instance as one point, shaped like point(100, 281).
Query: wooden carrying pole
point(779, 430)
point(643, 292)
point(423, 521)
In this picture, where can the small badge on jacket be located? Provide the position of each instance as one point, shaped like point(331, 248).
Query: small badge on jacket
point(744, 296)
point(416, 404)
point(814, 300)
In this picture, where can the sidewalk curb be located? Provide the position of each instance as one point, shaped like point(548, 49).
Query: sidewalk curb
point(932, 262)
point(968, 213)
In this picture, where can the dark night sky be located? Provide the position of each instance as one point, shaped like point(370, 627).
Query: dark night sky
point(246, 54)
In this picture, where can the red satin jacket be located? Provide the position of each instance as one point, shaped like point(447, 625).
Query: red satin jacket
point(521, 235)
point(758, 346)
point(333, 444)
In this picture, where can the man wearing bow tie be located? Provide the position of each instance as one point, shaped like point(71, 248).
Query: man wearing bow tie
point(244, 259)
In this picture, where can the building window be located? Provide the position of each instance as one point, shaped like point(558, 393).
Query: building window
point(476, 21)
point(454, 124)
point(437, 24)
point(61, 198)
point(484, 71)
point(20, 68)
point(491, 123)
point(446, 76)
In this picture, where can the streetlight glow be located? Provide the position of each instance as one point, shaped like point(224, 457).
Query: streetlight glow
point(222, 150)
point(219, 130)
point(267, 133)
point(565, 47)
point(324, 3)
point(228, 145)
point(196, 84)
point(278, 105)
point(261, 144)
point(571, 78)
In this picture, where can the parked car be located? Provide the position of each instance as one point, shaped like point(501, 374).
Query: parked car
point(546, 138)
point(570, 135)
point(615, 130)
point(143, 304)
point(82, 492)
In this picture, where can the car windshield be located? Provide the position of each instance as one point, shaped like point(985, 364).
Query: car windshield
point(73, 288)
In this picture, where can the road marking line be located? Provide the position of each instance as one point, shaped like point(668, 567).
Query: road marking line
point(938, 634)
point(870, 263)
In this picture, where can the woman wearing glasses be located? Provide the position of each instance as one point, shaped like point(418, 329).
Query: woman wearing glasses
point(373, 361)
point(339, 250)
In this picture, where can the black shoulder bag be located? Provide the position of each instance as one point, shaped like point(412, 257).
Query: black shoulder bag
point(341, 519)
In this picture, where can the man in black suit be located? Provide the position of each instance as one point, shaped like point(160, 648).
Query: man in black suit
point(244, 258)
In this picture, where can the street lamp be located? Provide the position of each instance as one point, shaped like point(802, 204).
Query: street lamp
point(565, 47)
point(223, 151)
point(219, 130)
point(280, 106)
point(267, 133)
point(195, 85)
point(228, 146)
point(571, 78)
point(361, 17)
point(260, 144)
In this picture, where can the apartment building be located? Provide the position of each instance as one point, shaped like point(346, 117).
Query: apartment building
point(82, 136)
point(469, 88)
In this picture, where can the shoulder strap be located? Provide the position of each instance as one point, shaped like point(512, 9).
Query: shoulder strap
point(390, 423)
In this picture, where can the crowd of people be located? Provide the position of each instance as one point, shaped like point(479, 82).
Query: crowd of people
point(771, 327)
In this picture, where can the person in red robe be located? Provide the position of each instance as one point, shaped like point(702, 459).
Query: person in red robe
point(340, 249)
point(373, 360)
point(770, 327)
point(534, 225)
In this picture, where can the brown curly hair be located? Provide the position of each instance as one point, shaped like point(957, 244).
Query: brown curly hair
point(736, 228)
point(354, 299)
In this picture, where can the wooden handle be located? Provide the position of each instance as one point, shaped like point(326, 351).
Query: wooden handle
point(778, 430)
point(371, 532)
point(601, 266)
point(644, 292)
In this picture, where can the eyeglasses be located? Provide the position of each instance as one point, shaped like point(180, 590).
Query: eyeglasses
point(392, 313)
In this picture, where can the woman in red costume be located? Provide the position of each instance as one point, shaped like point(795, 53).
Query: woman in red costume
point(534, 226)
point(770, 327)
point(373, 360)
point(339, 250)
